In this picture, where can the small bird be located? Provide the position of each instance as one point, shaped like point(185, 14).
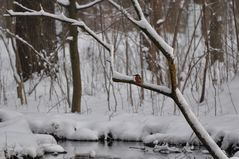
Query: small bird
point(138, 79)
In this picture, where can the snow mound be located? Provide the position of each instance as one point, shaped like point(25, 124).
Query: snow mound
point(52, 148)
point(17, 139)
point(83, 134)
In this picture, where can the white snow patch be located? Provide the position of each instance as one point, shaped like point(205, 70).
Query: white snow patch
point(64, 2)
point(17, 139)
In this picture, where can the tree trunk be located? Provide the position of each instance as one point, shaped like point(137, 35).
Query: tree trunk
point(152, 57)
point(75, 60)
point(205, 33)
point(235, 9)
point(197, 127)
point(216, 32)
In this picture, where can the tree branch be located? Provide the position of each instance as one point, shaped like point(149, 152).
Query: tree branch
point(88, 5)
point(63, 3)
point(144, 25)
point(138, 9)
point(118, 77)
point(61, 18)
point(27, 44)
point(23, 7)
point(175, 93)
point(123, 11)
point(78, 6)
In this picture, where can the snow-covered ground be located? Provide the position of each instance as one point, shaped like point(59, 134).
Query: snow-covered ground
point(17, 139)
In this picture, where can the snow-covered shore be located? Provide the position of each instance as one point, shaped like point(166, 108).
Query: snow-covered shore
point(17, 139)
point(17, 130)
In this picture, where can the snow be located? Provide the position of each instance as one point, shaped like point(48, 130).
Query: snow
point(143, 23)
point(64, 2)
point(124, 78)
point(173, 130)
point(87, 5)
point(52, 148)
point(197, 125)
point(160, 21)
point(120, 76)
point(92, 154)
point(17, 139)
point(17, 136)
point(236, 154)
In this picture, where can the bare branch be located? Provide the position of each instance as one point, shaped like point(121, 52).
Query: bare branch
point(88, 5)
point(118, 77)
point(63, 3)
point(138, 9)
point(23, 7)
point(26, 43)
point(123, 11)
point(63, 18)
point(144, 25)
point(15, 74)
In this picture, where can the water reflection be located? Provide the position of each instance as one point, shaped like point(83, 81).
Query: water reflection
point(118, 150)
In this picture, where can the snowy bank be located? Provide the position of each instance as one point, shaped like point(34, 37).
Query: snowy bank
point(17, 139)
point(152, 130)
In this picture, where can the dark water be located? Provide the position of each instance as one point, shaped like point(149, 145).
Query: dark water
point(118, 150)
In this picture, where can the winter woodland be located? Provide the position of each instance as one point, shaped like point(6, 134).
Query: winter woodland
point(161, 72)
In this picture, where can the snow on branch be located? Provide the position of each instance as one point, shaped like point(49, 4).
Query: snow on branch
point(144, 25)
point(20, 5)
point(62, 18)
point(88, 5)
point(118, 77)
point(136, 79)
point(138, 9)
point(124, 11)
point(27, 44)
point(151, 33)
point(64, 3)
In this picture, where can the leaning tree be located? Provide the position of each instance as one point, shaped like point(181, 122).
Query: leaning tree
point(173, 92)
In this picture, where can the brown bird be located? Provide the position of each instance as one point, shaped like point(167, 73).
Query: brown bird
point(138, 79)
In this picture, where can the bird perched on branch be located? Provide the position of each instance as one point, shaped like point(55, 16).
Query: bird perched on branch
point(138, 79)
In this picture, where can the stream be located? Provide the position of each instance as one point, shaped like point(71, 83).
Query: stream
point(118, 150)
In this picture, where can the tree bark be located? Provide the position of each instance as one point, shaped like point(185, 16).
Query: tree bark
point(75, 60)
point(216, 32)
point(205, 33)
